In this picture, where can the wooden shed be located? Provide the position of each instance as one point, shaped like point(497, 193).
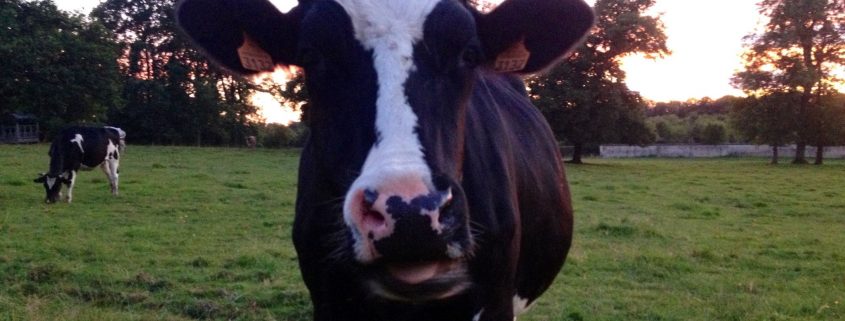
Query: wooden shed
point(16, 128)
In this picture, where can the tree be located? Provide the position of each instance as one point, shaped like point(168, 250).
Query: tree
point(585, 98)
point(173, 94)
point(60, 67)
point(828, 125)
point(800, 46)
point(713, 134)
point(767, 120)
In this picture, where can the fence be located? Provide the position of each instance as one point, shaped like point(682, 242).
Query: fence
point(19, 134)
point(696, 151)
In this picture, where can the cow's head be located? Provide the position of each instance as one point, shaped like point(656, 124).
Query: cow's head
point(389, 82)
point(52, 186)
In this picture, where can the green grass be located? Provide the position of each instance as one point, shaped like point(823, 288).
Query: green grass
point(204, 233)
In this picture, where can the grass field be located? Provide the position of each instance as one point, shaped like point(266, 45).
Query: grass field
point(204, 233)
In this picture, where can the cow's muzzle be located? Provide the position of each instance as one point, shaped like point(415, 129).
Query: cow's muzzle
point(407, 220)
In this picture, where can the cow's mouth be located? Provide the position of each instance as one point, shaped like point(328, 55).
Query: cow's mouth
point(418, 282)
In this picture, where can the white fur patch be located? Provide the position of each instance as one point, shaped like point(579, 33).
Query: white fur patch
point(51, 181)
point(454, 250)
point(111, 150)
point(121, 134)
point(390, 29)
point(78, 140)
point(478, 315)
point(520, 305)
point(72, 175)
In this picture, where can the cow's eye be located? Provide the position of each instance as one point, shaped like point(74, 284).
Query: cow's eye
point(471, 57)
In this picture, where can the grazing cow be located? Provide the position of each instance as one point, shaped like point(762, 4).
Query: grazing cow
point(251, 142)
point(430, 188)
point(84, 148)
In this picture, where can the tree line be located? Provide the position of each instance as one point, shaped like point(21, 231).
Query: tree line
point(788, 77)
point(60, 67)
point(124, 65)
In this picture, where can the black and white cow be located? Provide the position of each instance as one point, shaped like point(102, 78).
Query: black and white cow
point(430, 188)
point(83, 148)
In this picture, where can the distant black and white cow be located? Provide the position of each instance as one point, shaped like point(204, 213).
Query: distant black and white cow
point(83, 148)
point(430, 188)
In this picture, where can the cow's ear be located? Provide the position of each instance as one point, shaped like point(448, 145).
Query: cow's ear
point(41, 178)
point(527, 36)
point(243, 36)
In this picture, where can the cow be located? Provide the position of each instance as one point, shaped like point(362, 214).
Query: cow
point(429, 188)
point(251, 142)
point(76, 148)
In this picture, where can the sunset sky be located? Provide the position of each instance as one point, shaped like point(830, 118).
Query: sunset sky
point(705, 38)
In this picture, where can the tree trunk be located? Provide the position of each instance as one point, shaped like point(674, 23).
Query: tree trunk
point(804, 107)
point(577, 150)
point(819, 155)
point(800, 151)
point(774, 154)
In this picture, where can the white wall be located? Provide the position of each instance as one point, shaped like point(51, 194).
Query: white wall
point(624, 151)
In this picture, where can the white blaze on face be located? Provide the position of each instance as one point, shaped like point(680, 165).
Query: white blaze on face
point(78, 140)
point(390, 28)
point(50, 182)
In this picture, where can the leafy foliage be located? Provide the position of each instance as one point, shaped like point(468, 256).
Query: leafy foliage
point(767, 120)
point(694, 128)
point(173, 94)
point(699, 121)
point(796, 53)
point(276, 135)
point(125, 65)
point(586, 99)
point(828, 123)
point(60, 67)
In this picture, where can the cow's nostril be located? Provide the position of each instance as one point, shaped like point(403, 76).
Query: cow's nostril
point(373, 218)
point(373, 221)
point(370, 197)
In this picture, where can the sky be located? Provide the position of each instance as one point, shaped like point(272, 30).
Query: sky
point(705, 38)
point(84, 6)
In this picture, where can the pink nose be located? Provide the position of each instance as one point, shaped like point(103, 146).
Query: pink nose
point(374, 213)
point(373, 221)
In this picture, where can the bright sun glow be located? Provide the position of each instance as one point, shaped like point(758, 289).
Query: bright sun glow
point(705, 38)
point(271, 109)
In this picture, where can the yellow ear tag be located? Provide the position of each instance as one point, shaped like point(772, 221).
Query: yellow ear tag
point(513, 59)
point(253, 57)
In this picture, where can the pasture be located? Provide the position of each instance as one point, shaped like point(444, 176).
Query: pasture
point(204, 233)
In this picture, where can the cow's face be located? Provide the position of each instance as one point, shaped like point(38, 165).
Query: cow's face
point(393, 79)
point(389, 83)
point(52, 186)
